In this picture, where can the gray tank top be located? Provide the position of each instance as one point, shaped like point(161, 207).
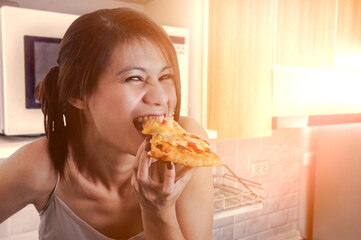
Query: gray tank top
point(59, 222)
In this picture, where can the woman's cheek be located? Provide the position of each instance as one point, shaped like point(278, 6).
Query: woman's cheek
point(172, 98)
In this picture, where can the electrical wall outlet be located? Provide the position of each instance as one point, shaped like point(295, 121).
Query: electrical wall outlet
point(259, 168)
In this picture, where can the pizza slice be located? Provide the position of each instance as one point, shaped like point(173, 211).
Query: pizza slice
point(170, 142)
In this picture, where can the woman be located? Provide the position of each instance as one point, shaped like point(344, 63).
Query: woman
point(90, 177)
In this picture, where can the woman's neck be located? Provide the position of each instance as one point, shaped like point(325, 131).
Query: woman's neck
point(105, 164)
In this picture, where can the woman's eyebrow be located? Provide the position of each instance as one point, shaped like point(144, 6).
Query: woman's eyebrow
point(166, 68)
point(127, 69)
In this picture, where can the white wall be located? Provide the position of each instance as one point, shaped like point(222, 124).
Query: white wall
point(75, 6)
point(187, 14)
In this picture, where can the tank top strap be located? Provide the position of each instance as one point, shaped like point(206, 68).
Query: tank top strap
point(52, 195)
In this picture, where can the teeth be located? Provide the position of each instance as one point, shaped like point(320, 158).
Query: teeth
point(146, 118)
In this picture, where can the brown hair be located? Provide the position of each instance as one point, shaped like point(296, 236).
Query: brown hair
point(85, 51)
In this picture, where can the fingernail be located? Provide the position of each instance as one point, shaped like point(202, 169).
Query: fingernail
point(169, 165)
point(148, 138)
point(147, 146)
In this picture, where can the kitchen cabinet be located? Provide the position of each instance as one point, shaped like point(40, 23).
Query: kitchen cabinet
point(240, 55)
point(348, 36)
point(322, 42)
point(305, 33)
point(281, 58)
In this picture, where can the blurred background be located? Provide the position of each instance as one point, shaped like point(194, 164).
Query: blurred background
point(277, 85)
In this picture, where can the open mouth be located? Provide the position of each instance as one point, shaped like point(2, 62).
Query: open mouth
point(139, 122)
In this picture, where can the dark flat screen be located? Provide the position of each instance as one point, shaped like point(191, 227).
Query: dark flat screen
point(41, 55)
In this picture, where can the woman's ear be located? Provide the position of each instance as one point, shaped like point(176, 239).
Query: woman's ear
point(78, 103)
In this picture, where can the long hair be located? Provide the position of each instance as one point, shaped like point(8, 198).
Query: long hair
point(85, 51)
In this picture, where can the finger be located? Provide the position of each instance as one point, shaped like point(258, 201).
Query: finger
point(135, 184)
point(183, 177)
point(156, 172)
point(169, 176)
point(152, 160)
point(143, 167)
point(139, 152)
point(185, 172)
point(139, 191)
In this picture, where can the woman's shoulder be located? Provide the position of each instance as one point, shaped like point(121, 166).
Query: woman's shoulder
point(36, 161)
point(193, 126)
point(32, 168)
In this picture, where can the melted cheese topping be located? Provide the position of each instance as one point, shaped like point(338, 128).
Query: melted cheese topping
point(171, 132)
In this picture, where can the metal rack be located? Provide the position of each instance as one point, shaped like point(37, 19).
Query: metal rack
point(231, 191)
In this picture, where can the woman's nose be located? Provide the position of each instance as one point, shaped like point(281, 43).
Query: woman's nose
point(156, 95)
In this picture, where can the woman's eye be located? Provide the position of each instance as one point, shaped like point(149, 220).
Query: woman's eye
point(134, 78)
point(166, 77)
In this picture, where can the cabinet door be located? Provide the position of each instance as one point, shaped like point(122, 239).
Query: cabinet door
point(239, 67)
point(313, 36)
point(305, 33)
point(348, 38)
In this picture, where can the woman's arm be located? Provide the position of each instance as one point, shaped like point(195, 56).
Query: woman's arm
point(195, 204)
point(180, 207)
point(26, 177)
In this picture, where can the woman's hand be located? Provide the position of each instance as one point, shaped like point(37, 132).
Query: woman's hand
point(153, 190)
point(157, 190)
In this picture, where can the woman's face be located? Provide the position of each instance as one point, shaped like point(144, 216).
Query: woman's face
point(137, 83)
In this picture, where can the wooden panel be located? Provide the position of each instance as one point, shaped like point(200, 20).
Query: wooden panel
point(239, 67)
point(348, 39)
point(305, 33)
